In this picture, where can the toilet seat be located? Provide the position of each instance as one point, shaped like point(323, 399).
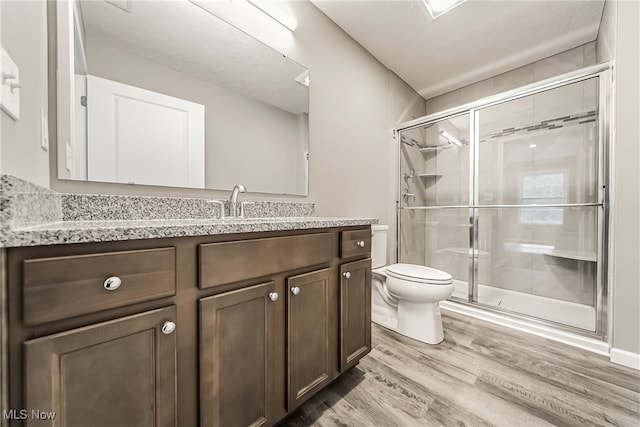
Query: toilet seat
point(419, 274)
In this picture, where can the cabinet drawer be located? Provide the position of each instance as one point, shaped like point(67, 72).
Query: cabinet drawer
point(63, 287)
point(230, 262)
point(354, 243)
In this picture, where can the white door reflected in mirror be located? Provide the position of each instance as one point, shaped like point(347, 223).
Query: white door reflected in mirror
point(137, 136)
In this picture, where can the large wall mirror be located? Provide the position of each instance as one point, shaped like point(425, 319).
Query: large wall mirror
point(165, 93)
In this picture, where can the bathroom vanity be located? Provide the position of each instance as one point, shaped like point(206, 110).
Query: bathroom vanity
point(234, 326)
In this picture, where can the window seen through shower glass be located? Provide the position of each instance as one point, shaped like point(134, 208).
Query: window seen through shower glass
point(543, 188)
point(435, 163)
point(540, 149)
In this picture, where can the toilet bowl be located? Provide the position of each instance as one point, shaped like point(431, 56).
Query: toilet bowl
point(384, 307)
point(418, 290)
point(405, 297)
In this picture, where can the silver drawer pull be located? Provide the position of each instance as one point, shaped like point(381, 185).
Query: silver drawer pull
point(168, 327)
point(295, 290)
point(346, 275)
point(273, 296)
point(112, 283)
point(360, 243)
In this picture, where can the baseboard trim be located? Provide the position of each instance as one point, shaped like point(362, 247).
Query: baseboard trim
point(584, 343)
point(625, 358)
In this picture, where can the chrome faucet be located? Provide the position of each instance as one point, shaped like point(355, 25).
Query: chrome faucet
point(233, 200)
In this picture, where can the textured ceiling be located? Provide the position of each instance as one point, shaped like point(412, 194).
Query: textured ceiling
point(476, 40)
point(181, 35)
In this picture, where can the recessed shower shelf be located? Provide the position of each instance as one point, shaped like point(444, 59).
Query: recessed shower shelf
point(429, 149)
point(575, 255)
point(430, 175)
point(433, 149)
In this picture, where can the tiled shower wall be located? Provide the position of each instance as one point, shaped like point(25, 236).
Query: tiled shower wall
point(564, 62)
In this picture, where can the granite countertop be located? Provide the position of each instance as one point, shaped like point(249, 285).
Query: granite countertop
point(103, 231)
point(33, 216)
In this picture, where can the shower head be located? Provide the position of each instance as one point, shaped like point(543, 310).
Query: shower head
point(410, 141)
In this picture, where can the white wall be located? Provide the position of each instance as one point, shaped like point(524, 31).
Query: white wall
point(619, 39)
point(24, 36)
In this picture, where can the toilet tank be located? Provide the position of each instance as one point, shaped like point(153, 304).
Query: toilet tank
point(379, 245)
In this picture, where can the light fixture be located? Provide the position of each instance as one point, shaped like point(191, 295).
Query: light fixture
point(440, 7)
point(303, 78)
point(275, 12)
point(532, 146)
point(452, 139)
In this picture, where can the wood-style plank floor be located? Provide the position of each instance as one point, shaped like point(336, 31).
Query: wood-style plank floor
point(482, 374)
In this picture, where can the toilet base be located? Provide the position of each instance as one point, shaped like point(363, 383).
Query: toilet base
point(386, 317)
point(420, 321)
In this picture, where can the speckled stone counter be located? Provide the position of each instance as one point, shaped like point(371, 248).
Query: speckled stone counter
point(95, 207)
point(33, 216)
point(103, 231)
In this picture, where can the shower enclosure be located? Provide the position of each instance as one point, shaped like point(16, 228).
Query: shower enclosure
point(509, 195)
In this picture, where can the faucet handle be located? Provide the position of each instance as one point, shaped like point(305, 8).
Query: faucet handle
point(221, 203)
point(243, 205)
point(405, 195)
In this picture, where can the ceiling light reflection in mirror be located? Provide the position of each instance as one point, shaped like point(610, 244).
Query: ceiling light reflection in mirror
point(264, 20)
point(440, 7)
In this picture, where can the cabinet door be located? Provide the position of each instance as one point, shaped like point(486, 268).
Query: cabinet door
point(117, 373)
point(355, 312)
point(308, 335)
point(235, 356)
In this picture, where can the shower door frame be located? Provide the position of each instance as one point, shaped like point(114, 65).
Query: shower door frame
point(603, 72)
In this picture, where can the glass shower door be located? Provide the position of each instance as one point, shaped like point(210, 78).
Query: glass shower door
point(537, 205)
point(434, 213)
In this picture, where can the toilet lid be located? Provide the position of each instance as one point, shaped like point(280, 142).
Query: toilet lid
point(419, 273)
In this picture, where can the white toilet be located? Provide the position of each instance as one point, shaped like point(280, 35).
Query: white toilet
point(405, 297)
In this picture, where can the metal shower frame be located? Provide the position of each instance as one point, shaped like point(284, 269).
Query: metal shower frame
point(604, 73)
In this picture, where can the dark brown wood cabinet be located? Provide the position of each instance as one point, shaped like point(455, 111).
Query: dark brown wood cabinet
point(61, 287)
point(236, 355)
point(354, 243)
point(309, 334)
point(116, 373)
point(355, 312)
point(255, 336)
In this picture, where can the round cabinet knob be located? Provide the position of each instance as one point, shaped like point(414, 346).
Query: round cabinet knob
point(112, 283)
point(360, 243)
point(346, 275)
point(168, 327)
point(273, 296)
point(295, 290)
